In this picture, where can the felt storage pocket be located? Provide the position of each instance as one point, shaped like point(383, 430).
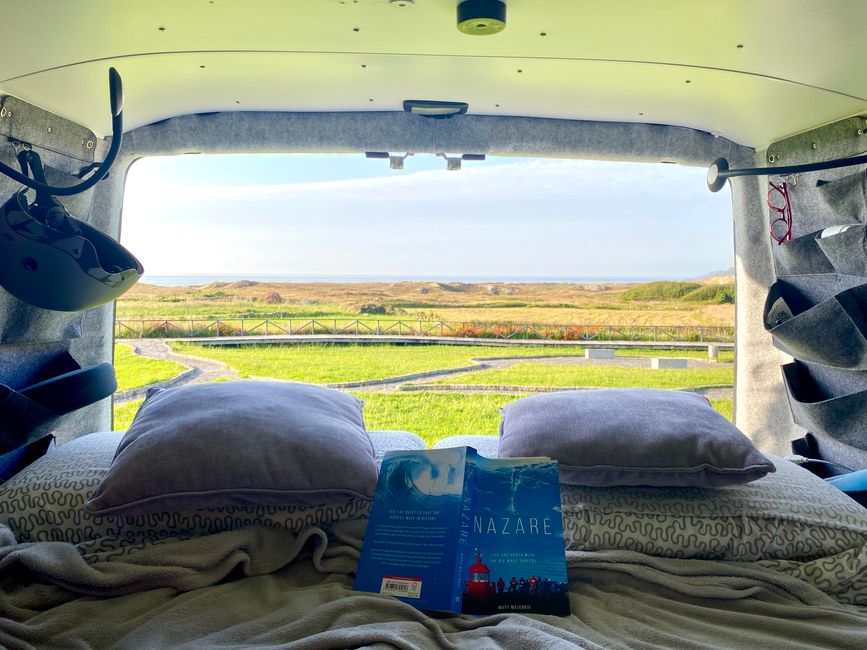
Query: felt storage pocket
point(812, 325)
point(827, 400)
point(60, 387)
point(19, 417)
point(847, 250)
point(802, 255)
point(843, 196)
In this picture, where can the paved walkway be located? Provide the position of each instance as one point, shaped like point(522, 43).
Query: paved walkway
point(206, 370)
point(199, 371)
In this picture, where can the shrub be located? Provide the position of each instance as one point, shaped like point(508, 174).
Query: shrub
point(273, 298)
point(663, 290)
point(717, 294)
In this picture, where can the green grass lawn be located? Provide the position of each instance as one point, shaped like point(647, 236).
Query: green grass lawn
point(133, 370)
point(433, 415)
point(538, 374)
point(327, 364)
point(124, 413)
point(723, 406)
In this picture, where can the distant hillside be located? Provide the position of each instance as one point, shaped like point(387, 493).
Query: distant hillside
point(717, 277)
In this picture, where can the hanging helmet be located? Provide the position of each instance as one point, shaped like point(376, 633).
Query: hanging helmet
point(55, 261)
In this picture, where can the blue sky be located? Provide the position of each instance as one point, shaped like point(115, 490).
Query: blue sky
point(342, 214)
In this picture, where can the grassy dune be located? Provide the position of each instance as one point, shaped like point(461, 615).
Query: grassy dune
point(549, 303)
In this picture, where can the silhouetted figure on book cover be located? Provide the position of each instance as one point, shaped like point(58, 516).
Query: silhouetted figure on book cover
point(536, 593)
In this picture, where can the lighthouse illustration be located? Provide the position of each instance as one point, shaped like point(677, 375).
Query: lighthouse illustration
point(478, 584)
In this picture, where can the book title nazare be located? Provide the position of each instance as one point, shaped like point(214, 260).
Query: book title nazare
point(512, 525)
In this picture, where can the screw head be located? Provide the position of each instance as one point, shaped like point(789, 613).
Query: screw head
point(815, 146)
point(89, 144)
point(49, 129)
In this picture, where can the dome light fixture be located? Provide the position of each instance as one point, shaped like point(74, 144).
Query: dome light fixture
point(481, 17)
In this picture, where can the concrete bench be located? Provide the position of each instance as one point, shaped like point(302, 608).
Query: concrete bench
point(598, 353)
point(659, 363)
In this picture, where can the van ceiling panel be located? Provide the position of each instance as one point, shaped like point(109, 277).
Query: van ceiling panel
point(757, 71)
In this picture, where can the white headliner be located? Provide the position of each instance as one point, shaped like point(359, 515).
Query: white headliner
point(802, 63)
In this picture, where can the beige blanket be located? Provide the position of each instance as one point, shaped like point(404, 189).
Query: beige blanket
point(271, 588)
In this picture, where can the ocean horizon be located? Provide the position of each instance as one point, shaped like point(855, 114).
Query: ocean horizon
point(202, 279)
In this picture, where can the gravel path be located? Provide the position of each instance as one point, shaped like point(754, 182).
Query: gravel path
point(200, 370)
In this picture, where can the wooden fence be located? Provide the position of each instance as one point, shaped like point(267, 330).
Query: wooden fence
point(193, 328)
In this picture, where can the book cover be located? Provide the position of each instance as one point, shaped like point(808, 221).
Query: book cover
point(518, 560)
point(418, 529)
point(453, 531)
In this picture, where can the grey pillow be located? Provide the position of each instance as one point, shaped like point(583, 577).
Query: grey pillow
point(238, 444)
point(631, 436)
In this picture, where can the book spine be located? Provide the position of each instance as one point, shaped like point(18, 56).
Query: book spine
point(464, 530)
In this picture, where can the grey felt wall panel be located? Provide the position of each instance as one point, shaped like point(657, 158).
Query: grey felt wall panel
point(761, 408)
point(820, 200)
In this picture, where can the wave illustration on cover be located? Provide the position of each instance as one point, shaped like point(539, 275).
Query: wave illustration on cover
point(424, 480)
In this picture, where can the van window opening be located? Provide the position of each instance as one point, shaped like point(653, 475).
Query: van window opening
point(557, 271)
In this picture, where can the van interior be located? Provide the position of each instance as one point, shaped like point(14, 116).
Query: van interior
point(235, 517)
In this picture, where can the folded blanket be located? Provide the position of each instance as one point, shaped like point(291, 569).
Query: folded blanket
point(269, 587)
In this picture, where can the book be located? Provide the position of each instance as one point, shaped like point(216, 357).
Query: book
point(453, 531)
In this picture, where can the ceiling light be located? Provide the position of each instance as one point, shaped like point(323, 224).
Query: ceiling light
point(481, 17)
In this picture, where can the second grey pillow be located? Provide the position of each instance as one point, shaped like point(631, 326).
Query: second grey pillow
point(631, 436)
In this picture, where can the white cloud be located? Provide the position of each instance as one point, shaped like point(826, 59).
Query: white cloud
point(533, 217)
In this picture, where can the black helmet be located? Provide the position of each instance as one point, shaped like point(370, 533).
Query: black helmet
point(55, 261)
